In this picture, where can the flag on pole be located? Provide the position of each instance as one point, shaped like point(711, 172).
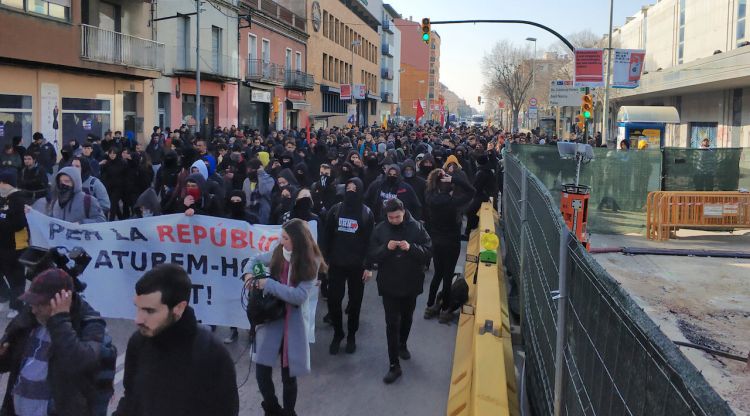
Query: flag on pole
point(384, 123)
point(420, 111)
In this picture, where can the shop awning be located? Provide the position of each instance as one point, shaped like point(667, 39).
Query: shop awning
point(647, 114)
point(297, 104)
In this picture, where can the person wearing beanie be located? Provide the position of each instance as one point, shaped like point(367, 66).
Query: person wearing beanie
point(14, 238)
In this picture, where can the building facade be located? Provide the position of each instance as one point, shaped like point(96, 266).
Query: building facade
point(697, 60)
point(273, 53)
point(391, 63)
point(343, 48)
point(70, 68)
point(176, 93)
point(420, 71)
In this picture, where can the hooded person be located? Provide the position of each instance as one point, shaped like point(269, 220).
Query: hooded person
point(115, 178)
point(409, 174)
point(147, 204)
point(391, 186)
point(70, 203)
point(344, 241)
point(324, 190)
point(284, 196)
point(463, 159)
point(92, 185)
point(196, 199)
point(236, 207)
point(214, 181)
point(258, 188)
point(453, 167)
point(485, 183)
point(302, 175)
point(166, 178)
point(425, 166)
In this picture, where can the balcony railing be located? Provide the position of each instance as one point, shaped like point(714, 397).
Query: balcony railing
point(262, 71)
point(386, 97)
point(212, 64)
point(387, 25)
point(279, 12)
point(387, 49)
point(106, 46)
point(299, 81)
point(386, 73)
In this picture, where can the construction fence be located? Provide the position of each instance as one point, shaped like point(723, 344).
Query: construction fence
point(621, 180)
point(600, 354)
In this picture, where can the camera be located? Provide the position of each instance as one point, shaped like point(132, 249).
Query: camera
point(73, 261)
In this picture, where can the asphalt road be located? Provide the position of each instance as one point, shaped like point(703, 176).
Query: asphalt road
point(344, 384)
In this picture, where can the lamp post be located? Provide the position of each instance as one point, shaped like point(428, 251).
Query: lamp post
point(355, 42)
point(533, 75)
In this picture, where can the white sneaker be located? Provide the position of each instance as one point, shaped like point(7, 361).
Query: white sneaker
point(12, 314)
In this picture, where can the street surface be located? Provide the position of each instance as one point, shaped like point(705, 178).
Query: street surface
point(344, 384)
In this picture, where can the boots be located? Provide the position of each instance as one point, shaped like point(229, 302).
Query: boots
point(445, 317)
point(431, 311)
point(333, 349)
point(394, 372)
point(351, 344)
point(272, 409)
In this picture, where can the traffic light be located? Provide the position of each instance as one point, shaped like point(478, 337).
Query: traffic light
point(426, 30)
point(587, 106)
point(581, 121)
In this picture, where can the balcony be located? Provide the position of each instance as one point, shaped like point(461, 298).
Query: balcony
point(386, 97)
point(106, 46)
point(278, 12)
point(261, 71)
point(213, 66)
point(387, 24)
point(299, 81)
point(386, 73)
point(387, 49)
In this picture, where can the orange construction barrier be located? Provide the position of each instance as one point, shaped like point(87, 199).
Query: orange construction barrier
point(668, 211)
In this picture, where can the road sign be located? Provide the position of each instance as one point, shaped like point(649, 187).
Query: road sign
point(532, 102)
point(589, 67)
point(533, 114)
point(627, 67)
point(565, 94)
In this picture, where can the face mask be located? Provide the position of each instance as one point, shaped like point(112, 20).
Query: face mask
point(287, 254)
point(426, 169)
point(408, 173)
point(65, 193)
point(323, 179)
point(194, 192)
point(351, 198)
point(372, 161)
point(391, 180)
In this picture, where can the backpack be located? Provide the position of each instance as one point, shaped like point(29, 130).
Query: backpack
point(104, 377)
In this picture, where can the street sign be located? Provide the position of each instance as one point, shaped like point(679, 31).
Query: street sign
point(564, 94)
point(360, 91)
point(626, 67)
point(346, 92)
point(533, 113)
point(589, 67)
point(532, 102)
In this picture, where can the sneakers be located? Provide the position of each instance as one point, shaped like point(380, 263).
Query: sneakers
point(431, 311)
point(232, 338)
point(446, 317)
point(12, 314)
point(394, 372)
point(351, 345)
point(335, 344)
point(403, 353)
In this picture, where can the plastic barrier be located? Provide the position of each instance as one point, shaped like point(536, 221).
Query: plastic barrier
point(483, 380)
point(668, 211)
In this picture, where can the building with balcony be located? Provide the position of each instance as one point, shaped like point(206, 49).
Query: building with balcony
point(175, 24)
point(344, 49)
point(390, 63)
point(415, 68)
point(273, 93)
point(70, 68)
point(698, 61)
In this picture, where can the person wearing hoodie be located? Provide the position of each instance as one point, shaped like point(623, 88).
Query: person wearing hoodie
point(372, 169)
point(344, 240)
point(444, 225)
point(409, 173)
point(166, 179)
point(155, 151)
point(33, 179)
point(323, 190)
point(115, 176)
point(147, 204)
point(92, 185)
point(196, 199)
point(425, 166)
point(70, 202)
point(14, 238)
point(258, 188)
point(284, 195)
point(485, 183)
point(214, 181)
point(392, 186)
point(301, 173)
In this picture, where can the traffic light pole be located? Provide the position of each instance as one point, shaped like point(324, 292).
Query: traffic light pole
point(586, 124)
point(522, 22)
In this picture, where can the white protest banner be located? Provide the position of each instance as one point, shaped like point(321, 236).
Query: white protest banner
point(626, 67)
point(214, 252)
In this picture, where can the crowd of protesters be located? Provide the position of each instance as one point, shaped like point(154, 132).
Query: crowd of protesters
point(387, 200)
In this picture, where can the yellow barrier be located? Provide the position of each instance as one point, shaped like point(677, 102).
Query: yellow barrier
point(668, 211)
point(483, 380)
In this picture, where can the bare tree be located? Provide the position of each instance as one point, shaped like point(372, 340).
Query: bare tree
point(507, 70)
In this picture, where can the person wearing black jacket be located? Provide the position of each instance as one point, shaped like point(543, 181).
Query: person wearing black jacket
point(409, 173)
point(399, 246)
point(33, 180)
point(14, 238)
point(345, 238)
point(115, 177)
point(197, 200)
point(485, 184)
point(45, 151)
point(155, 151)
point(173, 366)
point(392, 186)
point(444, 224)
point(323, 190)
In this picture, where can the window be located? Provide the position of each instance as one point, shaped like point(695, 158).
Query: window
point(331, 21)
point(83, 116)
point(266, 51)
point(332, 103)
point(336, 71)
point(325, 23)
point(183, 42)
point(252, 47)
point(298, 61)
point(216, 49)
point(208, 106)
point(15, 118)
point(336, 30)
point(737, 107)
point(58, 9)
point(110, 16)
point(681, 41)
point(288, 59)
point(741, 19)
point(700, 131)
point(325, 67)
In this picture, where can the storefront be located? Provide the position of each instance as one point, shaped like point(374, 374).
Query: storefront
point(296, 110)
point(255, 108)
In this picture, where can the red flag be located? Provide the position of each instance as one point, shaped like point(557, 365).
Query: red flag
point(420, 110)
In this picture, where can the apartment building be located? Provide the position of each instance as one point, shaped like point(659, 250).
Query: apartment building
point(697, 60)
point(391, 63)
point(420, 71)
point(343, 48)
point(176, 26)
point(70, 68)
point(273, 64)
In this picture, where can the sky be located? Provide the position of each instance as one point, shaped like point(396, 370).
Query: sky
point(463, 45)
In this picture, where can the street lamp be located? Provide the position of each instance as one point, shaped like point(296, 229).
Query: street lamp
point(533, 74)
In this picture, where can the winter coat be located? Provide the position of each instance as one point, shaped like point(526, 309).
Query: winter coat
point(380, 192)
point(445, 211)
point(46, 155)
point(346, 232)
point(94, 187)
point(265, 185)
point(182, 371)
point(300, 313)
point(400, 273)
point(12, 160)
point(33, 182)
point(75, 209)
point(208, 204)
point(115, 174)
point(324, 196)
point(76, 339)
point(13, 232)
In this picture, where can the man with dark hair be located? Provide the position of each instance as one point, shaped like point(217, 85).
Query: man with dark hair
point(400, 247)
point(33, 179)
point(46, 154)
point(173, 366)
